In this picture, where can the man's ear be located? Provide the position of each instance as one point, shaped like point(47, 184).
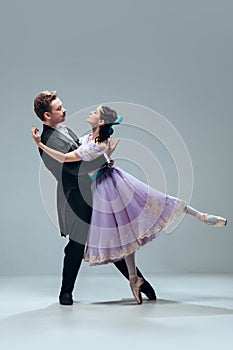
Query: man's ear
point(47, 115)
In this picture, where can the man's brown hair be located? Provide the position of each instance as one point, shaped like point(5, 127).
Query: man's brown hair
point(42, 103)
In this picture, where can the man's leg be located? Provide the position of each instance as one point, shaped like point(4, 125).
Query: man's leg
point(78, 216)
point(72, 261)
point(146, 288)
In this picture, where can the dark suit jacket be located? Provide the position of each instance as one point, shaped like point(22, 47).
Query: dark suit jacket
point(74, 198)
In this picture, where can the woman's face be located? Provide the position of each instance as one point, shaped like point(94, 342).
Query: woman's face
point(94, 118)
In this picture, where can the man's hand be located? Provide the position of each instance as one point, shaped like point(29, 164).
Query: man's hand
point(112, 144)
point(36, 135)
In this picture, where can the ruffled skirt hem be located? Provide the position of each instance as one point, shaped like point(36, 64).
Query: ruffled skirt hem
point(100, 256)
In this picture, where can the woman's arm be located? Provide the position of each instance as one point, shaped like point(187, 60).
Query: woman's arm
point(59, 156)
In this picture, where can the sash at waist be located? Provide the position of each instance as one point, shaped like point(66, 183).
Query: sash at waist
point(98, 173)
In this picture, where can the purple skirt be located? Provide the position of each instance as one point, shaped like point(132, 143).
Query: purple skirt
point(127, 214)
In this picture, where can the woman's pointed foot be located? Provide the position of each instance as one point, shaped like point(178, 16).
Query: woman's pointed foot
point(213, 220)
point(135, 285)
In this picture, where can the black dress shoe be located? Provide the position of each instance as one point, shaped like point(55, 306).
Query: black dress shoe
point(147, 289)
point(66, 299)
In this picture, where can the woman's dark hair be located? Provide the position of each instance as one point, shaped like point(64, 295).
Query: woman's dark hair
point(109, 116)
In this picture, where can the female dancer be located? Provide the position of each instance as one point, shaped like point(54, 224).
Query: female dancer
point(126, 212)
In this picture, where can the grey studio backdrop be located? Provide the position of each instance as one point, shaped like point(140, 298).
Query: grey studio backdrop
point(174, 57)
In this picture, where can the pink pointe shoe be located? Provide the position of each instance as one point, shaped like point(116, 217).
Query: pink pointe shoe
point(135, 285)
point(213, 220)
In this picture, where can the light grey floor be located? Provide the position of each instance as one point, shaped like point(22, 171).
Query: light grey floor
point(194, 311)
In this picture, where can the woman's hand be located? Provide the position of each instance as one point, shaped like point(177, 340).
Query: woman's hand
point(36, 135)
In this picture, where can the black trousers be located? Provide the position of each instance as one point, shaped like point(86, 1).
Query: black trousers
point(72, 261)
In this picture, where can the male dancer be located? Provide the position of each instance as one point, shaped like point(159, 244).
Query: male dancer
point(74, 197)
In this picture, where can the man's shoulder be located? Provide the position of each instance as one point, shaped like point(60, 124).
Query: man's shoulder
point(72, 133)
point(46, 129)
point(48, 132)
point(55, 139)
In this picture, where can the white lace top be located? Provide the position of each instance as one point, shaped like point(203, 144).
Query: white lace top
point(88, 151)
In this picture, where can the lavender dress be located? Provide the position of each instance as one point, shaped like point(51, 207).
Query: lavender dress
point(126, 212)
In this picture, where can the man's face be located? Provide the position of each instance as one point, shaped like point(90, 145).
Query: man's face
point(57, 114)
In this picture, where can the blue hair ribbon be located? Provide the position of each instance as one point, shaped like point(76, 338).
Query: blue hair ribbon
point(119, 119)
point(117, 122)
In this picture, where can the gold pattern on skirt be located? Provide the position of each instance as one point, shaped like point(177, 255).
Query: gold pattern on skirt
point(154, 206)
point(131, 248)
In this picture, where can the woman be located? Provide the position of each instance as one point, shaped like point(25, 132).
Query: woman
point(126, 212)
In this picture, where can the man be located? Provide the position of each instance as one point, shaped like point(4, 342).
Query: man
point(74, 197)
